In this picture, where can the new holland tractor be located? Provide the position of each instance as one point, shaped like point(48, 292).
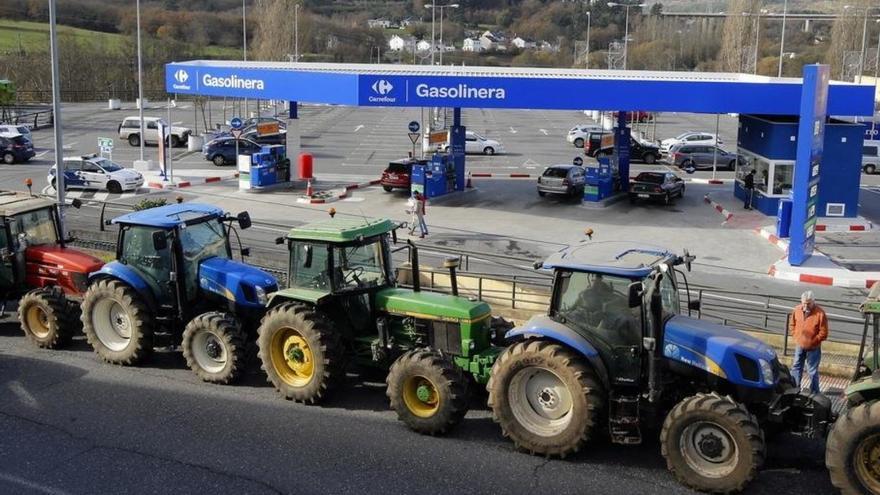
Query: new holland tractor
point(853, 450)
point(36, 266)
point(344, 307)
point(616, 354)
point(174, 282)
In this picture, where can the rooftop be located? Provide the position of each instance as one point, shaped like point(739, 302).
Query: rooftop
point(169, 216)
point(14, 202)
point(340, 230)
point(620, 258)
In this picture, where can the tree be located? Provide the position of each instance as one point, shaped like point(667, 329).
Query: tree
point(846, 36)
point(737, 39)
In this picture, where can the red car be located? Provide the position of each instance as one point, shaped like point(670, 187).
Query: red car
point(640, 115)
point(397, 174)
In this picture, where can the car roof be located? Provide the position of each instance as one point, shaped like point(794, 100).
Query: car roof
point(565, 166)
point(170, 216)
point(135, 117)
point(618, 258)
point(340, 230)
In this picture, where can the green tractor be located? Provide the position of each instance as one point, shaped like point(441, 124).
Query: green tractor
point(343, 305)
point(853, 451)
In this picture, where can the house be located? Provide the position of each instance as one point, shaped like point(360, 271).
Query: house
point(523, 43)
point(397, 43)
point(493, 41)
point(471, 45)
point(405, 23)
point(423, 46)
point(545, 46)
point(378, 23)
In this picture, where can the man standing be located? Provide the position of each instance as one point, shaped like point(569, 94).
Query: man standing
point(749, 185)
point(809, 327)
point(416, 208)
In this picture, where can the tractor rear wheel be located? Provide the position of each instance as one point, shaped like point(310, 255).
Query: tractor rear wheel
point(428, 392)
point(712, 443)
point(43, 317)
point(214, 347)
point(853, 451)
point(117, 323)
point(300, 353)
point(546, 399)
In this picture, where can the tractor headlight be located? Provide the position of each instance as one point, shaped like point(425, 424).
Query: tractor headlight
point(262, 297)
point(767, 372)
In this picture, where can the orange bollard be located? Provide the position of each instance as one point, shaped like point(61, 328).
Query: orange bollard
point(309, 191)
point(469, 185)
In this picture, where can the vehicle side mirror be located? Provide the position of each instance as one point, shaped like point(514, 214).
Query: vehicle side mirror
point(244, 220)
point(279, 240)
point(160, 240)
point(694, 305)
point(307, 263)
point(636, 289)
point(76, 203)
point(108, 222)
point(245, 252)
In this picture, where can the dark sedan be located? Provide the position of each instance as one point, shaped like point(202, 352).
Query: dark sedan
point(15, 149)
point(222, 150)
point(656, 186)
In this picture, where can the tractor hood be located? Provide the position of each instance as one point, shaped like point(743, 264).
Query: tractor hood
point(429, 305)
point(64, 258)
point(242, 284)
point(720, 350)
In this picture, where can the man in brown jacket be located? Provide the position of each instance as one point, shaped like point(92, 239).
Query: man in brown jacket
point(809, 327)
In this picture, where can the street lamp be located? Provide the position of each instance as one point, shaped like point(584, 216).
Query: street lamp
point(626, 26)
point(442, 46)
point(140, 78)
point(433, 6)
point(782, 41)
point(296, 32)
point(589, 21)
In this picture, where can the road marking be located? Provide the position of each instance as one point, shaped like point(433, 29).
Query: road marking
point(358, 128)
point(42, 154)
point(512, 130)
point(70, 145)
point(544, 132)
point(23, 395)
point(11, 478)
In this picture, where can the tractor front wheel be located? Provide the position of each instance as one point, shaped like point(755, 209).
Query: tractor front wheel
point(853, 451)
point(300, 353)
point(214, 347)
point(117, 323)
point(43, 317)
point(428, 392)
point(546, 399)
point(712, 443)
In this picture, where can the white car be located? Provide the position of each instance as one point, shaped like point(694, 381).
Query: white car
point(97, 172)
point(10, 130)
point(578, 134)
point(130, 130)
point(477, 144)
point(690, 137)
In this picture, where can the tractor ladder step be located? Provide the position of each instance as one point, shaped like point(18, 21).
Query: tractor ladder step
point(624, 420)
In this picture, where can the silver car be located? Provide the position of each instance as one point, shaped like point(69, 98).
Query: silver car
point(568, 180)
point(701, 156)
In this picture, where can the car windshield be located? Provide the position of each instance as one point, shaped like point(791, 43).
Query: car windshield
point(359, 266)
point(38, 227)
point(650, 177)
point(398, 168)
point(107, 165)
point(555, 172)
point(203, 240)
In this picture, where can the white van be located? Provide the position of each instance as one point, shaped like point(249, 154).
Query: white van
point(871, 156)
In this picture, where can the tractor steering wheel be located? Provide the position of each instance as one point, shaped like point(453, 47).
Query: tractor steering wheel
point(354, 276)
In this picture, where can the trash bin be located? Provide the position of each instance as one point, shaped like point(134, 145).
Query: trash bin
point(194, 143)
point(305, 165)
point(783, 219)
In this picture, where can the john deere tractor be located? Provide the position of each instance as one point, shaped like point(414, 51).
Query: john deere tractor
point(616, 353)
point(36, 266)
point(174, 282)
point(853, 450)
point(344, 307)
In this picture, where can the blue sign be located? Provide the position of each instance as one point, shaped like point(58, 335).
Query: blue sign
point(578, 161)
point(235, 123)
point(810, 144)
point(414, 126)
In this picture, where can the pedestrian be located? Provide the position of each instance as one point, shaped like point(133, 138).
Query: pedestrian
point(808, 325)
point(749, 185)
point(415, 206)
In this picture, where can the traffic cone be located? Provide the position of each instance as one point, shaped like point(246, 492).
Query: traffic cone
point(469, 185)
point(309, 191)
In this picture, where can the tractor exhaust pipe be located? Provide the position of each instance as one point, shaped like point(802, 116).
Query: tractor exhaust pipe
point(414, 265)
point(452, 264)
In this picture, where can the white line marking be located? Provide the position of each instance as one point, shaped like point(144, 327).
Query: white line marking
point(358, 128)
point(23, 395)
point(41, 154)
point(11, 478)
point(512, 130)
point(544, 132)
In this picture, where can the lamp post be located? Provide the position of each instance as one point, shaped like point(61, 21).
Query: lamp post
point(140, 78)
point(626, 26)
point(757, 37)
point(587, 57)
point(244, 44)
point(433, 6)
point(296, 33)
point(782, 40)
point(56, 116)
point(442, 46)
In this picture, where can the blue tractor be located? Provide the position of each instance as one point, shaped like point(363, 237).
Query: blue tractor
point(616, 354)
point(174, 282)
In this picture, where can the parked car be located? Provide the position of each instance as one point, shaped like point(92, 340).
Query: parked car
point(701, 156)
point(578, 134)
point(662, 186)
point(9, 130)
point(638, 151)
point(568, 180)
point(15, 149)
point(130, 130)
point(263, 120)
point(398, 174)
point(251, 134)
point(477, 144)
point(871, 156)
point(638, 115)
point(596, 141)
point(690, 137)
point(97, 172)
point(222, 150)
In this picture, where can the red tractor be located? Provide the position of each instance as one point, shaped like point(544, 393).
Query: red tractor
point(36, 266)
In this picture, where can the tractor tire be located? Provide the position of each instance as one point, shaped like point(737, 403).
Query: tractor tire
point(712, 443)
point(545, 397)
point(43, 317)
point(214, 347)
point(302, 355)
point(853, 450)
point(117, 323)
point(428, 392)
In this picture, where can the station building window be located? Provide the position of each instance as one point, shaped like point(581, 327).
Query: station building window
point(773, 178)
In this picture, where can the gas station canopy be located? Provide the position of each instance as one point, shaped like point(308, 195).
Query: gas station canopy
point(507, 87)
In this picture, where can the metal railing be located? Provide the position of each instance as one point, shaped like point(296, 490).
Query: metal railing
point(35, 117)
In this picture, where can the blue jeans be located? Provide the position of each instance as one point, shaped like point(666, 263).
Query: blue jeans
point(423, 227)
point(812, 358)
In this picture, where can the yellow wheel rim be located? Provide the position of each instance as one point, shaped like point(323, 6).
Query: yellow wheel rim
point(37, 321)
point(292, 357)
point(867, 462)
point(421, 396)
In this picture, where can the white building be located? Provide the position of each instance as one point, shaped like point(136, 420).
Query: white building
point(398, 43)
point(423, 46)
point(523, 43)
point(493, 41)
point(378, 23)
point(471, 45)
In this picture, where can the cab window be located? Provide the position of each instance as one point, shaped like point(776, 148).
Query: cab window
point(599, 305)
point(309, 266)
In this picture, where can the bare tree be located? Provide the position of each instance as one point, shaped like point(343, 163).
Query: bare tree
point(846, 36)
point(737, 39)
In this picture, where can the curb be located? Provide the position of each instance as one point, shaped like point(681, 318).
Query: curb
point(714, 182)
point(844, 228)
point(843, 281)
point(720, 209)
point(332, 198)
point(771, 237)
point(188, 183)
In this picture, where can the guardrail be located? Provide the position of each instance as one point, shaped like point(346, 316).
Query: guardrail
point(35, 117)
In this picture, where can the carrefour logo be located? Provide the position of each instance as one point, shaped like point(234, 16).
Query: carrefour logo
point(382, 88)
point(181, 76)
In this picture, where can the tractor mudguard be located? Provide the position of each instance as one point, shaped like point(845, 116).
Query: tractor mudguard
point(542, 326)
point(803, 413)
point(236, 281)
point(119, 271)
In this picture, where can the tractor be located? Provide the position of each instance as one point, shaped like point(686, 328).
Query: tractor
point(615, 353)
point(174, 282)
point(343, 306)
point(37, 266)
point(853, 450)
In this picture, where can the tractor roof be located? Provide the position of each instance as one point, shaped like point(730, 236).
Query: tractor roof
point(341, 230)
point(620, 258)
point(169, 216)
point(13, 202)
